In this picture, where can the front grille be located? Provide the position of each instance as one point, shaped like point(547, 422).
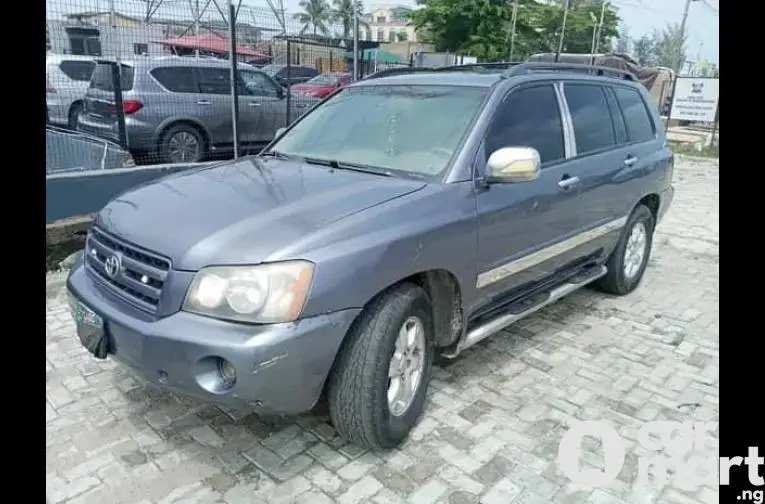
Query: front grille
point(141, 274)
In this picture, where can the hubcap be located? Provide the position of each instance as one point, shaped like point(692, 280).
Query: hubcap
point(634, 253)
point(406, 366)
point(183, 147)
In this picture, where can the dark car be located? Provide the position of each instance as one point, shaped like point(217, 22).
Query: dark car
point(297, 74)
point(403, 219)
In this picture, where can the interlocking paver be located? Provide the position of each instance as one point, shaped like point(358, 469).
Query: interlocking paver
point(494, 416)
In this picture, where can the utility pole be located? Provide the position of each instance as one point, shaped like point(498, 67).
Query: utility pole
point(562, 31)
point(196, 24)
point(512, 28)
point(681, 42)
point(600, 26)
point(355, 41)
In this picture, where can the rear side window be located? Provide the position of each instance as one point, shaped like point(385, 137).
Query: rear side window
point(176, 79)
point(214, 80)
point(102, 77)
point(529, 117)
point(640, 127)
point(78, 70)
point(616, 114)
point(593, 128)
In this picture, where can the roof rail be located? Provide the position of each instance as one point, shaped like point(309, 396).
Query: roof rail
point(478, 67)
point(388, 72)
point(529, 67)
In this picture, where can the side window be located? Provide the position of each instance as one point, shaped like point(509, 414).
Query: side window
point(78, 70)
point(214, 80)
point(257, 84)
point(639, 124)
point(620, 127)
point(176, 79)
point(593, 128)
point(529, 117)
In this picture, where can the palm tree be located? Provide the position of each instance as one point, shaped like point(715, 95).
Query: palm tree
point(316, 14)
point(342, 12)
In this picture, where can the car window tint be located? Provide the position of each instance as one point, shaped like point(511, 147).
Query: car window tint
point(529, 117)
point(616, 114)
point(639, 124)
point(214, 80)
point(78, 70)
point(176, 79)
point(102, 77)
point(257, 84)
point(593, 128)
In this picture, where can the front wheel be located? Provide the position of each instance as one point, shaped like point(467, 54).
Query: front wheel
point(630, 257)
point(377, 388)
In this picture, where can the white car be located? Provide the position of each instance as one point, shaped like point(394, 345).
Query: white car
point(67, 79)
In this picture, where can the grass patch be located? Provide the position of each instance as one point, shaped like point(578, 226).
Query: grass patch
point(688, 149)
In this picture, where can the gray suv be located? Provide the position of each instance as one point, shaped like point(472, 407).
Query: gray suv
point(404, 218)
point(179, 108)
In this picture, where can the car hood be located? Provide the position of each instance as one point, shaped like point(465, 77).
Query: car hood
point(241, 212)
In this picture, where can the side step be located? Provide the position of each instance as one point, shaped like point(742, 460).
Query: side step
point(514, 314)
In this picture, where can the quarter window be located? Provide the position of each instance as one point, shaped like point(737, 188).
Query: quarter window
point(593, 127)
point(529, 117)
point(78, 70)
point(639, 124)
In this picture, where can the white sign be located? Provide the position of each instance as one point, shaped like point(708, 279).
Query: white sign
point(695, 99)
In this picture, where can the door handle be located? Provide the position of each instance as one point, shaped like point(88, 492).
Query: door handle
point(204, 102)
point(631, 160)
point(568, 183)
point(254, 104)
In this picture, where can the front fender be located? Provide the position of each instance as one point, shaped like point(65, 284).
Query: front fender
point(362, 255)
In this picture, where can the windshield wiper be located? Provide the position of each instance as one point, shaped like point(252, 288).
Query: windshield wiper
point(342, 165)
point(277, 154)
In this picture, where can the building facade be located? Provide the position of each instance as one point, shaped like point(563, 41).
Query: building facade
point(385, 23)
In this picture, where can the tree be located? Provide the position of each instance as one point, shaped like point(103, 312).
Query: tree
point(482, 28)
point(316, 15)
point(669, 47)
point(643, 51)
point(342, 13)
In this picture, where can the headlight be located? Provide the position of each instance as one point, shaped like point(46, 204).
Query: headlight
point(265, 294)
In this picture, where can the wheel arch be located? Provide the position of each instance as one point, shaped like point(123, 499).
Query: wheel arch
point(171, 122)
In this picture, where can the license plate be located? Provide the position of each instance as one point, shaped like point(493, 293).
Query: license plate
point(90, 328)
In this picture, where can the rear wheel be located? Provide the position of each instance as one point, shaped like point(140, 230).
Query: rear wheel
point(630, 257)
point(376, 392)
point(182, 143)
point(74, 113)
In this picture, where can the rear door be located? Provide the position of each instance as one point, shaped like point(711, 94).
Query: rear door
point(596, 152)
point(262, 108)
point(214, 103)
point(100, 115)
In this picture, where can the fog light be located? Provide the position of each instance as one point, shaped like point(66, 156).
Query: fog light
point(227, 371)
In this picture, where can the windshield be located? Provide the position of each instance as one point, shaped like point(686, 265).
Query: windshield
point(413, 129)
point(272, 69)
point(324, 79)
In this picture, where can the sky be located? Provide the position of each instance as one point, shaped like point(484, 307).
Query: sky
point(640, 17)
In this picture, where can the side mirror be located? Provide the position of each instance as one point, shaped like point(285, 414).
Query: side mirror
point(513, 164)
point(279, 132)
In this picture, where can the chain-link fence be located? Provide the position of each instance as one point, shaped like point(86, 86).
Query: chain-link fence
point(155, 77)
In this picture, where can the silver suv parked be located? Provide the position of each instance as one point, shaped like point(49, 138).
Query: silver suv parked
point(179, 108)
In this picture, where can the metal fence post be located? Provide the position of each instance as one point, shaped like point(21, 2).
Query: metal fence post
point(289, 83)
point(234, 76)
point(118, 104)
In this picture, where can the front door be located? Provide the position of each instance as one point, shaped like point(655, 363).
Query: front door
point(524, 229)
point(262, 109)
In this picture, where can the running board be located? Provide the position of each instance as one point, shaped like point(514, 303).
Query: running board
point(493, 326)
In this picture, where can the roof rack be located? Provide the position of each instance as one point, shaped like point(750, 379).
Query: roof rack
point(529, 67)
point(387, 72)
point(473, 67)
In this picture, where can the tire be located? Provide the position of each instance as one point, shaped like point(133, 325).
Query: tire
point(623, 276)
point(358, 387)
point(182, 138)
point(74, 114)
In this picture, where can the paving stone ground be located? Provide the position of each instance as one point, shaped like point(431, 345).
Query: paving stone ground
point(494, 417)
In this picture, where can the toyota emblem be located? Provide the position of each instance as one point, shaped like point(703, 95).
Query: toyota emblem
point(113, 265)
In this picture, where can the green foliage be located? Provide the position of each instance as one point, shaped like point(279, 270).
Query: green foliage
point(342, 13)
point(482, 28)
point(315, 16)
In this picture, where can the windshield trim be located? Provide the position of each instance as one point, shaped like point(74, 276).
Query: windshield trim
point(446, 174)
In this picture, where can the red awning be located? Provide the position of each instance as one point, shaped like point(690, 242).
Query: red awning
point(211, 42)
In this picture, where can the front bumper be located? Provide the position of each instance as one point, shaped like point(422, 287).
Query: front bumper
point(280, 368)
